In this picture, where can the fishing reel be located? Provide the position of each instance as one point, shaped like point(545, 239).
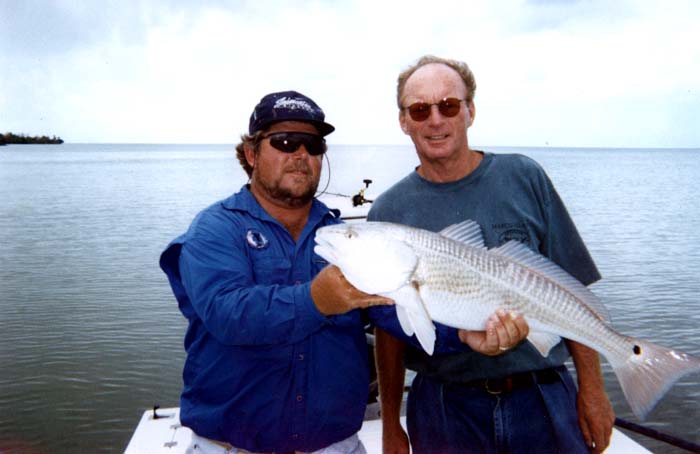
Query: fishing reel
point(359, 198)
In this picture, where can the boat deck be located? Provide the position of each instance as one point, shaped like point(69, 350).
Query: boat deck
point(165, 435)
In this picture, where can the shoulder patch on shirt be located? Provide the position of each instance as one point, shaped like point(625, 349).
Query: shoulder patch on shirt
point(256, 240)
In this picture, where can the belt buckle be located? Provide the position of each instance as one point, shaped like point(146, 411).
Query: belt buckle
point(505, 385)
point(493, 392)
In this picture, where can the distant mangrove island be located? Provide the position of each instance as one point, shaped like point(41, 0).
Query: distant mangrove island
point(10, 138)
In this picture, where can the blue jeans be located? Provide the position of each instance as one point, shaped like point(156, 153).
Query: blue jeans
point(446, 418)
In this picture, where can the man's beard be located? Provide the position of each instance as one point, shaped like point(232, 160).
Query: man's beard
point(286, 195)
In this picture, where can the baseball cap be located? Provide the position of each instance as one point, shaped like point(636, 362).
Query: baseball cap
point(287, 106)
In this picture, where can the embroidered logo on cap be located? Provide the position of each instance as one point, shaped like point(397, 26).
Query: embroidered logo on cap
point(293, 104)
point(256, 239)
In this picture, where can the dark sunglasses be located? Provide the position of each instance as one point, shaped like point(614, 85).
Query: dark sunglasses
point(289, 142)
point(448, 107)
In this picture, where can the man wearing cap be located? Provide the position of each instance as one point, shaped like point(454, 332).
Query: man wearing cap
point(276, 355)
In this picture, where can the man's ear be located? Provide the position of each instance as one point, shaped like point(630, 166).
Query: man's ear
point(471, 109)
point(249, 151)
point(402, 122)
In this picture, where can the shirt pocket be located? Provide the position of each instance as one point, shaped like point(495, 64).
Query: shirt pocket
point(271, 270)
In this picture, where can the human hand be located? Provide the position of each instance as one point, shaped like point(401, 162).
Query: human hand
point(395, 441)
point(504, 330)
point(333, 294)
point(596, 417)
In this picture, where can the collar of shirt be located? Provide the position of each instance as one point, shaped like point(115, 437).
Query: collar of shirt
point(245, 201)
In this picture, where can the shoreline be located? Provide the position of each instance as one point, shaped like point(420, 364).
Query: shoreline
point(21, 139)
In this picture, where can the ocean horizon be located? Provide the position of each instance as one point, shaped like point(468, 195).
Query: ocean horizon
point(344, 145)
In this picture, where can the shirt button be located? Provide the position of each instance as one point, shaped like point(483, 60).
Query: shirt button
point(299, 398)
point(301, 357)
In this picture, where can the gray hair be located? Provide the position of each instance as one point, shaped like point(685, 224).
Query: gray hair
point(460, 67)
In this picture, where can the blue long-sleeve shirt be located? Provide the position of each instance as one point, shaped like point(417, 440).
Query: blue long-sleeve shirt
point(265, 371)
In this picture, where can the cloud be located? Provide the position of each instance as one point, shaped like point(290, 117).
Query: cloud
point(570, 73)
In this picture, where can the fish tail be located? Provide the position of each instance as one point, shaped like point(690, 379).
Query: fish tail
point(646, 371)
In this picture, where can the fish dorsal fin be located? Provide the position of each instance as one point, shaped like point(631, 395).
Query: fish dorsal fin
point(468, 232)
point(518, 252)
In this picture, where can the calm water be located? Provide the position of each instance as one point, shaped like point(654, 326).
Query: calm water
point(91, 335)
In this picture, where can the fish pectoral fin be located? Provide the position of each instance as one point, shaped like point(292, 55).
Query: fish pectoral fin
point(413, 317)
point(402, 315)
point(425, 331)
point(543, 342)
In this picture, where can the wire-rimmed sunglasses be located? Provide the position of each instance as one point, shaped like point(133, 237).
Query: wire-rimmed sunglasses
point(289, 142)
point(448, 107)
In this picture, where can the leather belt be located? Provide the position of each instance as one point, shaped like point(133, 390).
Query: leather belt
point(515, 381)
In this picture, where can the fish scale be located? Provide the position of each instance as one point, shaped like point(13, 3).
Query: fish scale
point(451, 278)
point(467, 284)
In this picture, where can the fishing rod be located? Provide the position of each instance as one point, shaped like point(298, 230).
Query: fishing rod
point(658, 435)
point(357, 199)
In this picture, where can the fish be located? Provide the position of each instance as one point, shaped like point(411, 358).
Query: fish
point(451, 277)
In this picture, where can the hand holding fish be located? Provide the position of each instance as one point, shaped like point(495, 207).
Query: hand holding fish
point(504, 330)
point(333, 294)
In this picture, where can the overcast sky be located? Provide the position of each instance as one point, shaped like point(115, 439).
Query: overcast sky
point(622, 73)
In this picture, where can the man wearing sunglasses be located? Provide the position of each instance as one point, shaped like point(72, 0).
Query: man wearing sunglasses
point(513, 400)
point(276, 356)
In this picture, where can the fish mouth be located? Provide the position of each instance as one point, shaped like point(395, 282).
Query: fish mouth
point(331, 242)
point(325, 249)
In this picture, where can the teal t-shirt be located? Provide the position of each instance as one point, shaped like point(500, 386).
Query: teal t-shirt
point(511, 198)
